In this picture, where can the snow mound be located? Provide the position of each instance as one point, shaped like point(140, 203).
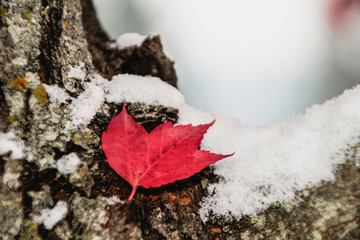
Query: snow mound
point(271, 162)
point(148, 90)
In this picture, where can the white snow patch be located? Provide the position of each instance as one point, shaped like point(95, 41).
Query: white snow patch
point(121, 88)
point(49, 217)
point(127, 40)
point(271, 162)
point(56, 94)
point(8, 143)
point(99, 80)
point(77, 72)
point(84, 107)
point(148, 90)
point(68, 164)
point(114, 199)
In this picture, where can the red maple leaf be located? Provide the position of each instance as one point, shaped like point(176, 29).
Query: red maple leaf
point(165, 155)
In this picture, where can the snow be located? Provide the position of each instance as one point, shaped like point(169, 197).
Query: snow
point(121, 88)
point(149, 90)
point(8, 143)
point(77, 72)
point(49, 217)
point(113, 200)
point(56, 94)
point(84, 107)
point(127, 40)
point(68, 164)
point(271, 162)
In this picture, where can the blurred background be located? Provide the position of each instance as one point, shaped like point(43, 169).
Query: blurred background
point(257, 61)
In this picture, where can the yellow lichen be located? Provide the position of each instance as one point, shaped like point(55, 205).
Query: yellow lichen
point(40, 93)
point(32, 225)
point(19, 83)
point(66, 25)
point(28, 14)
point(10, 119)
point(30, 231)
point(88, 139)
point(3, 12)
point(69, 4)
point(77, 138)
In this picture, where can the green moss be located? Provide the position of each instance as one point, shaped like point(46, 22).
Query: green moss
point(253, 219)
point(227, 229)
point(40, 93)
point(276, 205)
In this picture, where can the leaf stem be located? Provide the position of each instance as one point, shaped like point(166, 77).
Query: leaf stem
point(132, 193)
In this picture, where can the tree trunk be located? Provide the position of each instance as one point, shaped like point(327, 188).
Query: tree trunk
point(39, 41)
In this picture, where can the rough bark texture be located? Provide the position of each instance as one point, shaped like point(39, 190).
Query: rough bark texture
point(39, 40)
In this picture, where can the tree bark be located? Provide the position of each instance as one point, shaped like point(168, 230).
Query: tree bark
point(39, 40)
